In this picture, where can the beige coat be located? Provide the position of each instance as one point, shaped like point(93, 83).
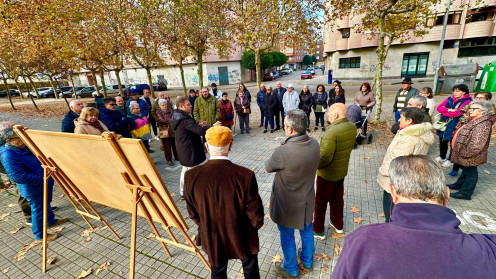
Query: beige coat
point(84, 127)
point(412, 140)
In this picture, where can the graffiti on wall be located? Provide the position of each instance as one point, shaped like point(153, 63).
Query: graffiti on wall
point(235, 76)
point(443, 62)
point(213, 77)
point(365, 68)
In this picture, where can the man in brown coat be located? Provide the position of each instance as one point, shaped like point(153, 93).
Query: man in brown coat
point(293, 196)
point(223, 200)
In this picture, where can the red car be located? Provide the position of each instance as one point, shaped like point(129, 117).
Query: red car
point(268, 76)
point(306, 75)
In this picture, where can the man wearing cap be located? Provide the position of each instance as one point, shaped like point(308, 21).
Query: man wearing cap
point(292, 200)
point(222, 199)
point(291, 99)
point(215, 92)
point(144, 108)
point(402, 97)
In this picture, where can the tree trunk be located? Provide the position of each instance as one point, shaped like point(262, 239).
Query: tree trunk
point(34, 88)
point(29, 95)
point(18, 88)
point(117, 72)
point(199, 55)
point(181, 70)
point(380, 63)
point(102, 79)
point(53, 87)
point(73, 87)
point(150, 82)
point(8, 93)
point(258, 70)
point(93, 74)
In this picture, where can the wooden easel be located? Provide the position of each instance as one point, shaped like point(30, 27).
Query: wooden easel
point(142, 190)
point(76, 197)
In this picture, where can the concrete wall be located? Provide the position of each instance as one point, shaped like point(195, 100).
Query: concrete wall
point(392, 66)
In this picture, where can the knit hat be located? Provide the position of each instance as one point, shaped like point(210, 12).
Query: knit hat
point(219, 136)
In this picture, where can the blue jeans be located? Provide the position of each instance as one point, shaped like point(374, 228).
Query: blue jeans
point(289, 248)
point(261, 115)
point(397, 116)
point(269, 120)
point(36, 203)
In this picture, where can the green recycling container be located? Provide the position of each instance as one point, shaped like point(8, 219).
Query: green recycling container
point(487, 80)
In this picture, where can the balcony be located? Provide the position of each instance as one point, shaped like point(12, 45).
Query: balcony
point(479, 29)
point(341, 44)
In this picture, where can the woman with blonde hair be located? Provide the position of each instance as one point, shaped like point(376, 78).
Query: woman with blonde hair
point(88, 122)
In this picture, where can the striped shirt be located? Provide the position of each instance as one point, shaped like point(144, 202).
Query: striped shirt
point(401, 100)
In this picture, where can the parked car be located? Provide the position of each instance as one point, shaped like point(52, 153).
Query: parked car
point(13, 93)
point(43, 91)
point(311, 70)
point(111, 90)
point(306, 75)
point(276, 75)
point(50, 94)
point(67, 91)
point(284, 72)
point(160, 86)
point(322, 67)
point(268, 76)
point(86, 92)
point(138, 88)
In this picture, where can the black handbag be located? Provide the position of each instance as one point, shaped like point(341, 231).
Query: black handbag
point(229, 116)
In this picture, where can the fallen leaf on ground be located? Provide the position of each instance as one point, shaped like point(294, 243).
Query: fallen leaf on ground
point(103, 266)
point(367, 158)
point(85, 273)
point(316, 257)
point(336, 235)
point(87, 232)
point(3, 217)
point(325, 257)
point(381, 214)
point(173, 194)
point(241, 273)
point(58, 229)
point(12, 205)
point(5, 270)
point(51, 260)
point(272, 148)
point(100, 228)
point(20, 255)
point(267, 205)
point(253, 135)
point(61, 196)
point(369, 214)
point(355, 209)
point(301, 267)
point(277, 259)
point(253, 168)
point(365, 181)
point(358, 220)
point(325, 268)
point(268, 216)
point(337, 249)
point(151, 235)
point(16, 229)
point(88, 239)
point(181, 199)
point(259, 159)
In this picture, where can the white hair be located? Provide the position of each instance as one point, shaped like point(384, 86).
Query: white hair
point(213, 150)
point(132, 104)
point(73, 103)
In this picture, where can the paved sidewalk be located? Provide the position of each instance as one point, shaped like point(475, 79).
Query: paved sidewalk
point(75, 253)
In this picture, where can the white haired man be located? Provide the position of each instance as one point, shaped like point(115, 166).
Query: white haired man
point(68, 121)
point(228, 229)
point(423, 239)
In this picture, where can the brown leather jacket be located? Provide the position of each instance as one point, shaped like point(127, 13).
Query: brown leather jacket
point(163, 120)
point(472, 142)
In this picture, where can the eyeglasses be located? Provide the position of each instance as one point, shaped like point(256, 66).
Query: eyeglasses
point(113, 105)
point(479, 98)
point(473, 109)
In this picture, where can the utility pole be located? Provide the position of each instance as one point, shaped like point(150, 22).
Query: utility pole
point(441, 45)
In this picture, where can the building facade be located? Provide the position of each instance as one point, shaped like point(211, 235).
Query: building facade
point(470, 38)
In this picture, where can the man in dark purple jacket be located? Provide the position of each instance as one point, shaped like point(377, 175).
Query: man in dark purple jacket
point(423, 239)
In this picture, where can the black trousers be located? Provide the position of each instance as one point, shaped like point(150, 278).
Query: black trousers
point(279, 114)
point(443, 148)
point(387, 205)
point(250, 268)
point(467, 180)
point(154, 125)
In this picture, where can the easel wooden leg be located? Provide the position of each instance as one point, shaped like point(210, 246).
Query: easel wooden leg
point(134, 220)
point(101, 218)
point(45, 211)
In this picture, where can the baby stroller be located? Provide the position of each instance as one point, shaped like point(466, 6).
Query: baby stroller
point(360, 120)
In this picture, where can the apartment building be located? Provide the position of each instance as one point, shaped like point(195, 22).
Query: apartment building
point(470, 38)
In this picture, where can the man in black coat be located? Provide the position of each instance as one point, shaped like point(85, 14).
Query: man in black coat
point(279, 111)
point(114, 120)
point(68, 121)
point(188, 133)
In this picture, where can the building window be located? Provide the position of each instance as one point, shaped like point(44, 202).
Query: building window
point(414, 64)
point(477, 47)
point(481, 14)
point(352, 62)
point(345, 33)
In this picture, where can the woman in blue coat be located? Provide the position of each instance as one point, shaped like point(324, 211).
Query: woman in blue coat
point(319, 106)
point(25, 170)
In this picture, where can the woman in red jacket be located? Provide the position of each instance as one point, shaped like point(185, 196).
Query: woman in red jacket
point(226, 111)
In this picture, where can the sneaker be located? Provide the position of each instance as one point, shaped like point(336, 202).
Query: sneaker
point(265, 131)
point(447, 164)
point(337, 231)
point(50, 237)
point(453, 173)
point(157, 138)
point(281, 271)
point(58, 222)
point(319, 236)
point(306, 267)
point(271, 131)
point(260, 125)
point(29, 221)
point(316, 128)
point(440, 160)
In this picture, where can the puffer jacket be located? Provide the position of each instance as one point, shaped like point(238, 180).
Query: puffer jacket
point(306, 102)
point(472, 141)
point(335, 149)
point(260, 98)
point(412, 140)
point(207, 110)
point(24, 169)
point(453, 117)
point(189, 145)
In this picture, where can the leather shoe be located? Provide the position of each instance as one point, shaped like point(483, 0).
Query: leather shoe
point(461, 196)
point(265, 131)
point(454, 186)
point(279, 268)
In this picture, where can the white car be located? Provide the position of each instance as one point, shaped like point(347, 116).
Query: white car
point(42, 91)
